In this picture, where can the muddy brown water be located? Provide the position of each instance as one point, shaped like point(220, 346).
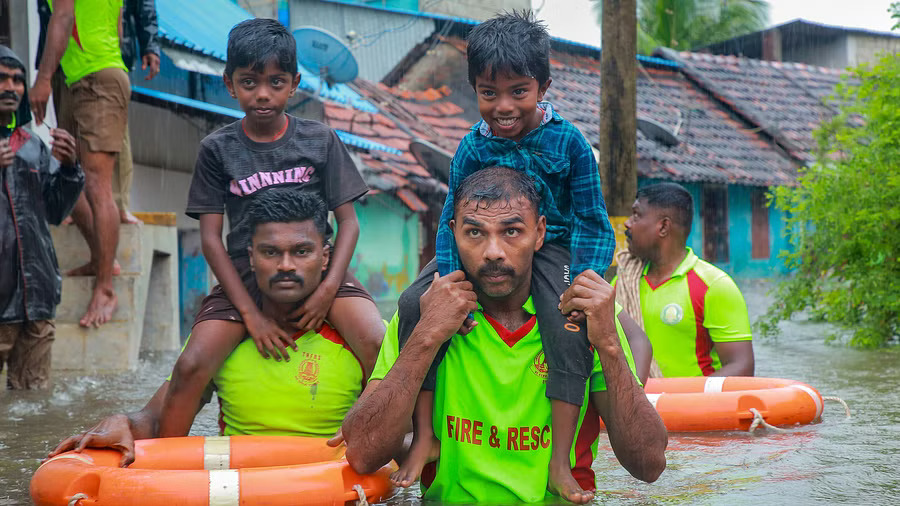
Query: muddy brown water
point(837, 461)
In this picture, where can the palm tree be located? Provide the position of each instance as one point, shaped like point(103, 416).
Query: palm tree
point(686, 24)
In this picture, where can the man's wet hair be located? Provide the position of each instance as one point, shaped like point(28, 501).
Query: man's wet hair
point(512, 43)
point(256, 42)
point(10, 62)
point(497, 184)
point(672, 197)
point(287, 205)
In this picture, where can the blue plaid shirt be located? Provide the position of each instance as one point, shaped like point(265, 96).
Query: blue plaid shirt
point(563, 165)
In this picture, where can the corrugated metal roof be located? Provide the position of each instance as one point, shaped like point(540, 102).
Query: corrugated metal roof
point(201, 25)
point(363, 143)
point(346, 137)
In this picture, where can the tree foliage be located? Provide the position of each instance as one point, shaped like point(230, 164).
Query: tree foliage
point(687, 24)
point(844, 215)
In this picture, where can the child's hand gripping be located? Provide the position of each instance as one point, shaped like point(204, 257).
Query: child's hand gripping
point(268, 336)
point(312, 313)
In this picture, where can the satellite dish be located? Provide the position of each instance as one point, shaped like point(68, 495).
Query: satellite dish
point(433, 158)
point(324, 53)
point(657, 132)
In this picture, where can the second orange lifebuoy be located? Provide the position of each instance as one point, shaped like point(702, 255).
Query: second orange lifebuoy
point(724, 403)
point(209, 470)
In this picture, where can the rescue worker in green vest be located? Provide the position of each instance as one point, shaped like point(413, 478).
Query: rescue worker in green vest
point(306, 395)
point(83, 38)
point(491, 417)
point(693, 313)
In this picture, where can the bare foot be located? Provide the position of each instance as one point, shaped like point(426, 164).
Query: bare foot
point(126, 217)
point(88, 270)
point(101, 308)
point(563, 483)
point(422, 451)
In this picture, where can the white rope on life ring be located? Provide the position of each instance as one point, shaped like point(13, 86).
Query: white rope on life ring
point(73, 501)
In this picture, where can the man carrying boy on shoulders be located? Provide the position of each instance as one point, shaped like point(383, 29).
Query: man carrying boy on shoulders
point(491, 415)
point(509, 70)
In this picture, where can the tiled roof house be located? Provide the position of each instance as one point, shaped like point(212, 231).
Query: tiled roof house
point(742, 126)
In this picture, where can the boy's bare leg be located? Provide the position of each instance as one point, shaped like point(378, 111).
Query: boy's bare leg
point(565, 420)
point(425, 448)
point(105, 237)
point(210, 344)
point(358, 321)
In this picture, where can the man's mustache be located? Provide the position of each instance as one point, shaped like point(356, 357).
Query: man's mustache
point(628, 233)
point(495, 269)
point(286, 276)
point(9, 95)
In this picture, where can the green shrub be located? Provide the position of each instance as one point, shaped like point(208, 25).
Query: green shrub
point(843, 216)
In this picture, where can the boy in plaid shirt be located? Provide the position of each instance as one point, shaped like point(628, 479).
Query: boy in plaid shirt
point(509, 69)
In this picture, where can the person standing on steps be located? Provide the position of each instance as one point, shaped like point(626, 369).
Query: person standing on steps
point(83, 38)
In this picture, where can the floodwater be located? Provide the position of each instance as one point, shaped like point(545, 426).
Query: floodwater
point(838, 461)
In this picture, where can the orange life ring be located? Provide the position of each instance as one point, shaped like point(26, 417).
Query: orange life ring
point(703, 404)
point(209, 471)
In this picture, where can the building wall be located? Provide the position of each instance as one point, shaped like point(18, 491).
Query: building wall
point(382, 38)
point(868, 49)
point(473, 9)
point(832, 53)
point(386, 259)
point(740, 216)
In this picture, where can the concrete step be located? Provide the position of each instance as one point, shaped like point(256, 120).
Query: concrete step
point(77, 291)
point(72, 250)
point(146, 317)
point(107, 349)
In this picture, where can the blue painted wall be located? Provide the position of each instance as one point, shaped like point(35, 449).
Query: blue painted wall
point(193, 278)
point(740, 216)
point(740, 221)
point(386, 259)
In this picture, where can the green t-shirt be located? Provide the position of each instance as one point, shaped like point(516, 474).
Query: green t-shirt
point(94, 42)
point(492, 415)
point(698, 306)
point(307, 396)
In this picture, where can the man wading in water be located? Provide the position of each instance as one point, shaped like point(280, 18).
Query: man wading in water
point(259, 396)
point(693, 313)
point(491, 415)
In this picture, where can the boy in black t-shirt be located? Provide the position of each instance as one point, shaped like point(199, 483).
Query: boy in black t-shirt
point(267, 148)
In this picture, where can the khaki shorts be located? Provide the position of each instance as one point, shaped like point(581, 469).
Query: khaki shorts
point(123, 175)
point(94, 109)
point(25, 348)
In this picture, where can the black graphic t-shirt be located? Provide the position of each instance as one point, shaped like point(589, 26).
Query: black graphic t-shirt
point(231, 169)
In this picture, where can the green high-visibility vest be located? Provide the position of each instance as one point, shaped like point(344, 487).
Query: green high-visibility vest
point(94, 41)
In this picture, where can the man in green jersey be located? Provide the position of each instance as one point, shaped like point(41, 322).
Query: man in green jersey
point(693, 313)
point(83, 38)
point(491, 417)
point(306, 395)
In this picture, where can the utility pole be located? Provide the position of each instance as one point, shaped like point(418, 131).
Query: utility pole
point(618, 107)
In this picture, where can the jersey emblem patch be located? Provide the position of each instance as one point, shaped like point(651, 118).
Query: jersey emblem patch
point(671, 314)
point(539, 366)
point(308, 372)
